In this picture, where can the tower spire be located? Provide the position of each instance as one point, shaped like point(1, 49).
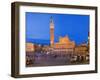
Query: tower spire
point(51, 19)
point(51, 22)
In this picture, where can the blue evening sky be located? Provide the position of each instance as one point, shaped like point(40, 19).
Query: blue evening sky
point(76, 27)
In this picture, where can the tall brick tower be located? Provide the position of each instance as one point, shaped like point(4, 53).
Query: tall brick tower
point(51, 32)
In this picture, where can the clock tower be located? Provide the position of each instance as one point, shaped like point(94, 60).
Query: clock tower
point(51, 32)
